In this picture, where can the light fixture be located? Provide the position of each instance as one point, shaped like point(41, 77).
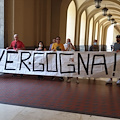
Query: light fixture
point(109, 17)
point(112, 21)
point(97, 3)
point(115, 22)
point(104, 11)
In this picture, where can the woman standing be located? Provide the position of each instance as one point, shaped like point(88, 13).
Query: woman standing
point(40, 48)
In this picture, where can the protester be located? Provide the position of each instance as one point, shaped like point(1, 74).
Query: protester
point(16, 44)
point(40, 48)
point(116, 48)
point(53, 41)
point(94, 47)
point(69, 47)
point(58, 47)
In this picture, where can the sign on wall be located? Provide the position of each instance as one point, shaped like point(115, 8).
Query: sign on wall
point(61, 63)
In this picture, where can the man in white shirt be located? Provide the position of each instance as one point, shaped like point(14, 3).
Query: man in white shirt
point(68, 46)
point(116, 48)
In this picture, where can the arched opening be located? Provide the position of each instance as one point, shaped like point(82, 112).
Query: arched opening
point(90, 31)
point(100, 37)
point(82, 31)
point(71, 18)
point(96, 31)
point(110, 38)
point(116, 32)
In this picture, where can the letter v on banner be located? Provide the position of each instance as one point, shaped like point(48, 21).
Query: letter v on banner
point(1, 56)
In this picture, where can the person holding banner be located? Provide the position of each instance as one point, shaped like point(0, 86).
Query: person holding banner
point(53, 41)
point(94, 47)
point(16, 44)
point(116, 48)
point(40, 48)
point(58, 47)
point(69, 47)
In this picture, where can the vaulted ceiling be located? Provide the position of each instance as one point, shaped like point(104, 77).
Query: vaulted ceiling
point(113, 8)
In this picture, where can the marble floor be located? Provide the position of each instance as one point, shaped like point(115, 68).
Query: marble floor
point(11, 112)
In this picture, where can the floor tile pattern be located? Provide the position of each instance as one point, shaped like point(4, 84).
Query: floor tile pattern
point(90, 97)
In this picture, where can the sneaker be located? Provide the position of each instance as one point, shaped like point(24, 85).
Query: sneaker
point(61, 78)
point(40, 77)
point(118, 82)
point(77, 81)
point(21, 75)
point(53, 78)
point(109, 81)
point(68, 80)
point(14, 75)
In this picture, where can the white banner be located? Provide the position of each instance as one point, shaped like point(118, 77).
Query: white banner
point(61, 63)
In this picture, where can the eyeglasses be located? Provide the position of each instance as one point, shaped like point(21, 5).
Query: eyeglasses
point(57, 39)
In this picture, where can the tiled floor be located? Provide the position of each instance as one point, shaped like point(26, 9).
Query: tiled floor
point(10, 112)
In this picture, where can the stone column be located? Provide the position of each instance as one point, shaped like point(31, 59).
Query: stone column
point(1, 23)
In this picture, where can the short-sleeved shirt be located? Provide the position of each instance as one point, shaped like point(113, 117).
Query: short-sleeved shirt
point(58, 47)
point(70, 48)
point(94, 48)
point(116, 46)
point(50, 46)
point(65, 46)
point(17, 44)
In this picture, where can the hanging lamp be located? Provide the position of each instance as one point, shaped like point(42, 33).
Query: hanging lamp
point(112, 21)
point(97, 3)
point(105, 11)
point(109, 17)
